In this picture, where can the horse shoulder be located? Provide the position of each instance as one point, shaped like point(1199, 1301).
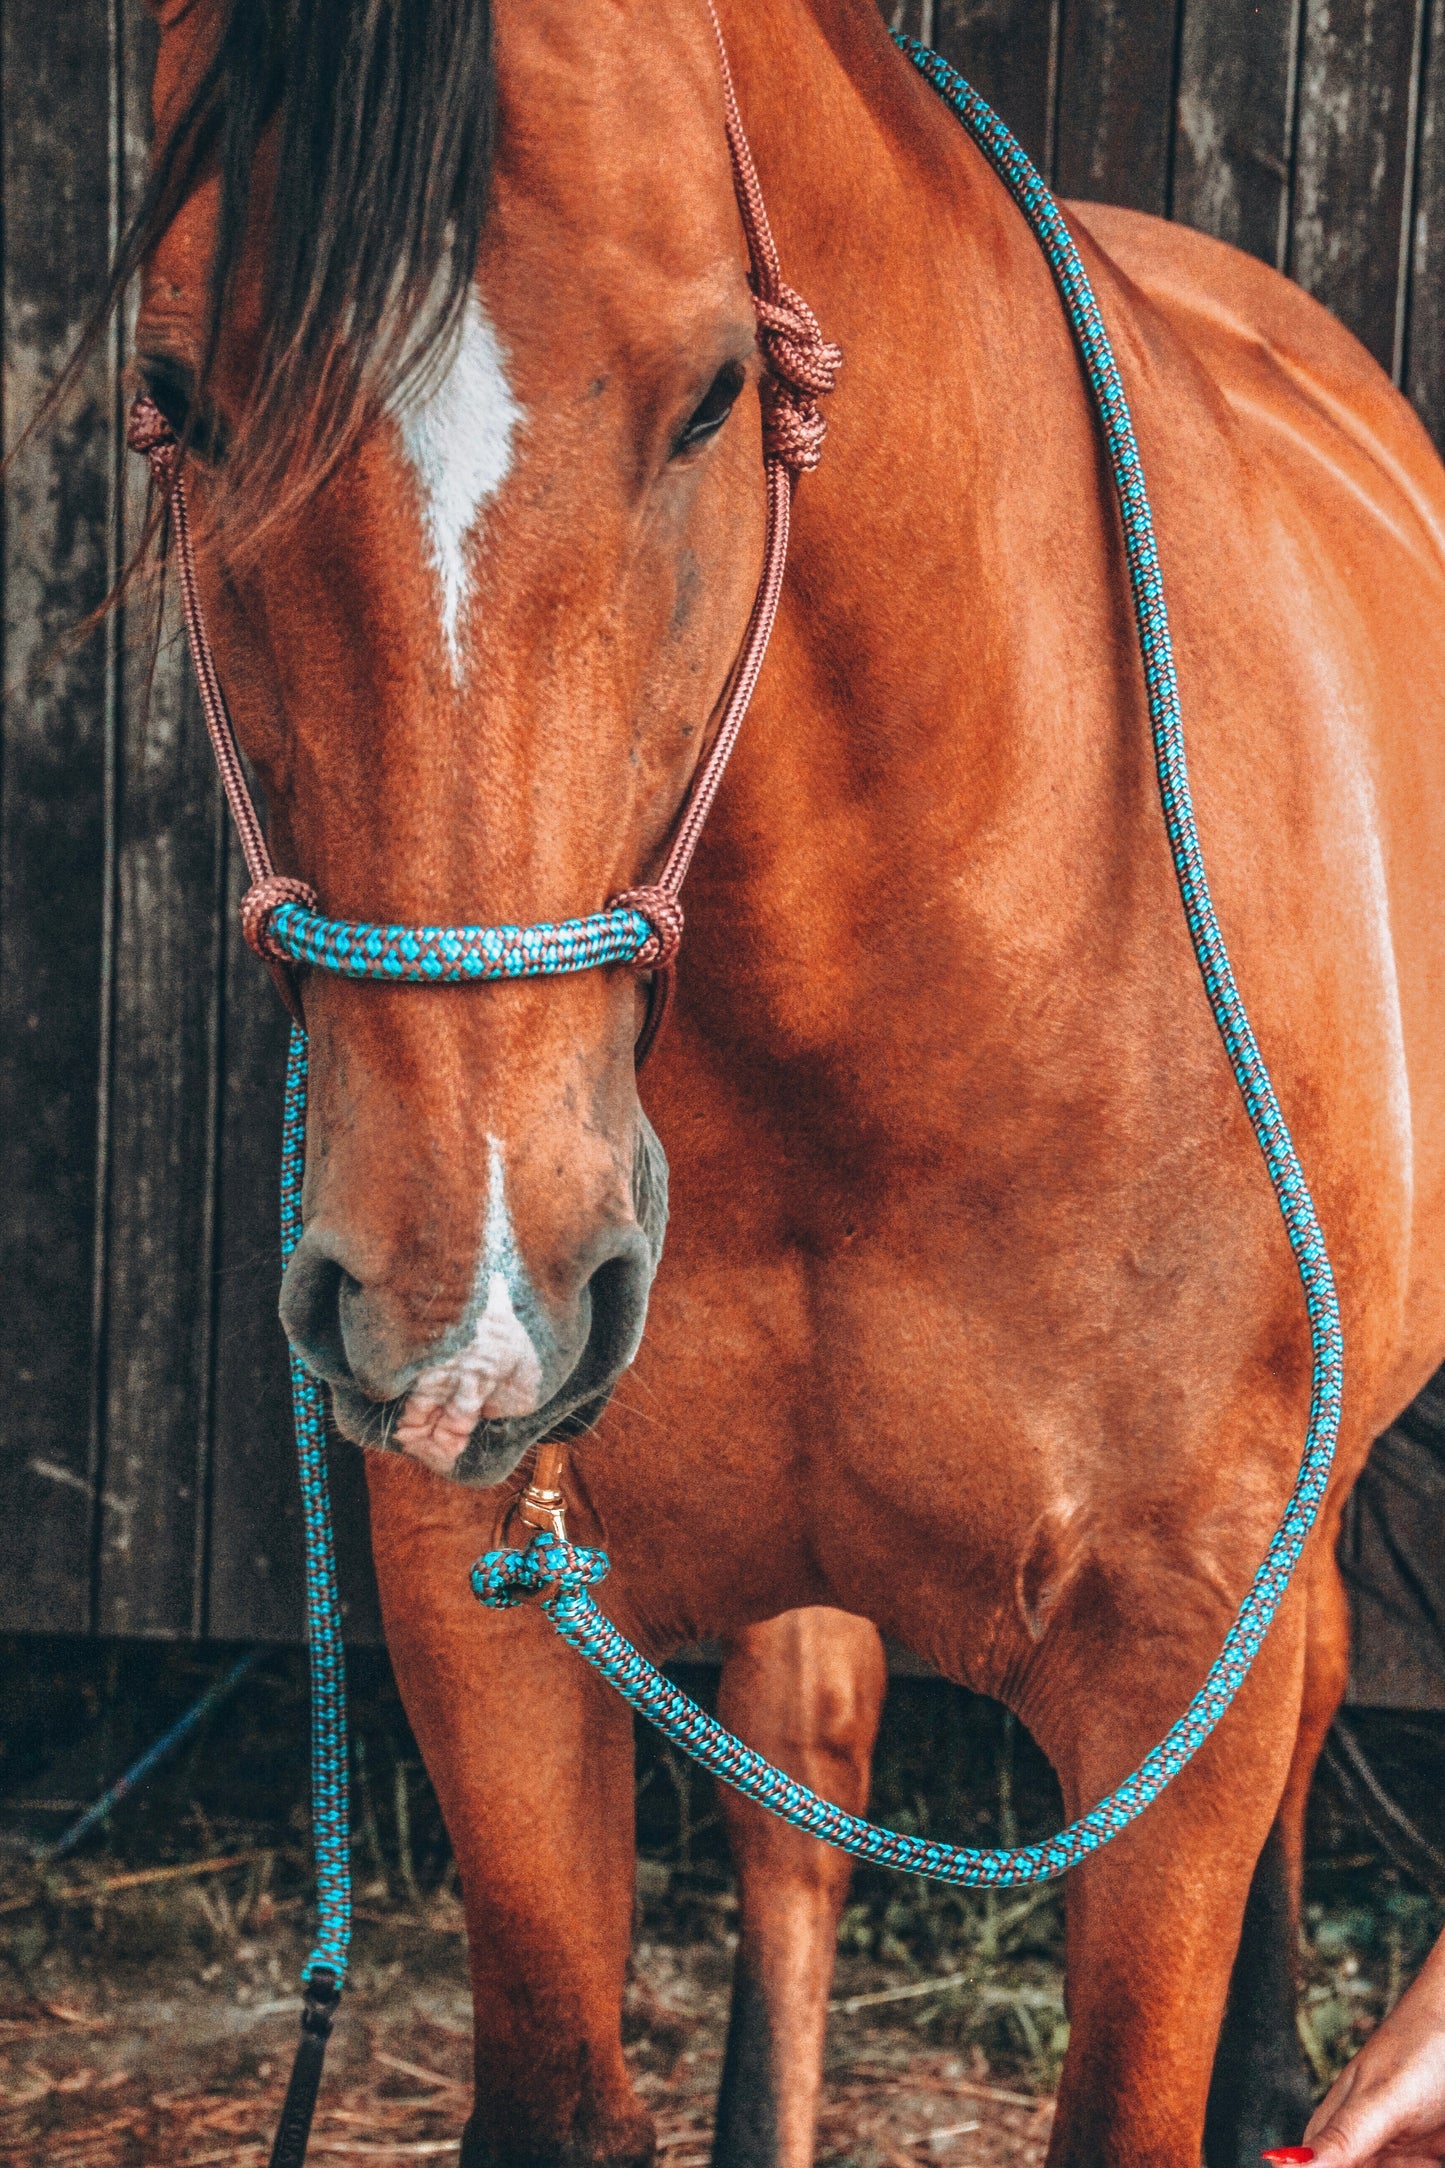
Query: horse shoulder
point(1290, 372)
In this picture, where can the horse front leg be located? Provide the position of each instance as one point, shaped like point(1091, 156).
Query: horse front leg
point(805, 1689)
point(1261, 2092)
point(532, 1760)
point(1154, 1920)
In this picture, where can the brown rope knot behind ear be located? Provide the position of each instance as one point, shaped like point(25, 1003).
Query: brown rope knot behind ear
point(149, 433)
point(802, 368)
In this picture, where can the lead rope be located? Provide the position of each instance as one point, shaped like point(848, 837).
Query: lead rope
point(642, 926)
point(324, 1974)
point(562, 1573)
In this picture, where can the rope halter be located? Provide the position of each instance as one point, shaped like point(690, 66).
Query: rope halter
point(642, 927)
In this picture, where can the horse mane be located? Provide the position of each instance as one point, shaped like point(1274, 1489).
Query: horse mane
point(382, 118)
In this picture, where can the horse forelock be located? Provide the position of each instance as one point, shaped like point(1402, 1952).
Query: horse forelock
point(376, 117)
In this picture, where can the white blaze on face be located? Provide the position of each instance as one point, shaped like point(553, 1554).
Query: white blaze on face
point(497, 1373)
point(459, 442)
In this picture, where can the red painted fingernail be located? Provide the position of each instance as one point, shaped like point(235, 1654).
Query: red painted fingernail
point(1290, 2152)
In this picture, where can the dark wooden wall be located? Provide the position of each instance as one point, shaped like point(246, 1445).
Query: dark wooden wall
point(1310, 132)
point(146, 1484)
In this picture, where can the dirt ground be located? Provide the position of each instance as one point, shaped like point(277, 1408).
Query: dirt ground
point(162, 2065)
point(148, 1996)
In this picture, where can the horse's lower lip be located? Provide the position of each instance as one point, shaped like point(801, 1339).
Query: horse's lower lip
point(437, 1434)
point(438, 1452)
point(490, 1450)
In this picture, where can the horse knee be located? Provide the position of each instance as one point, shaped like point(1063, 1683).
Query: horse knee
point(806, 1689)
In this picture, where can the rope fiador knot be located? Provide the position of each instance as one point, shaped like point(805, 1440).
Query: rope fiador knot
point(149, 433)
point(663, 912)
point(263, 898)
point(802, 368)
point(503, 1579)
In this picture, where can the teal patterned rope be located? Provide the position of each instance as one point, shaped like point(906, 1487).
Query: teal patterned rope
point(406, 955)
point(330, 1805)
point(448, 955)
point(562, 1573)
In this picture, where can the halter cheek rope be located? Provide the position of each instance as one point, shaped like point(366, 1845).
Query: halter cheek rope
point(643, 927)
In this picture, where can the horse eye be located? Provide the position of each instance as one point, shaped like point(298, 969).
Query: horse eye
point(171, 385)
point(716, 405)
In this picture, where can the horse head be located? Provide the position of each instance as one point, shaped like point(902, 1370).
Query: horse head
point(455, 330)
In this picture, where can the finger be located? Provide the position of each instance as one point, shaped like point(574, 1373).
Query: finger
point(1361, 2137)
point(1332, 2103)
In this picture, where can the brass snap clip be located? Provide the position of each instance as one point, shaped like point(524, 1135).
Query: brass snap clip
point(542, 1504)
point(542, 1509)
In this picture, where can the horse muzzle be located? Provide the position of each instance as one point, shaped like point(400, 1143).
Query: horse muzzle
point(512, 1371)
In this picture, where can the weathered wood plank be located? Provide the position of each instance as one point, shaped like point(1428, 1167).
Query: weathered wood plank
point(913, 17)
point(1235, 125)
point(360, 1603)
point(56, 66)
point(165, 1022)
point(1006, 48)
point(1117, 63)
point(255, 1506)
point(162, 1117)
point(1352, 161)
point(1423, 330)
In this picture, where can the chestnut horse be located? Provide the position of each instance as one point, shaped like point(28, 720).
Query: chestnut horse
point(976, 1320)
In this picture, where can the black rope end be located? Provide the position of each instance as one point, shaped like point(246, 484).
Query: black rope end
point(318, 2011)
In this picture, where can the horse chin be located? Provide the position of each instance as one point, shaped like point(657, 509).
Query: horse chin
point(493, 1447)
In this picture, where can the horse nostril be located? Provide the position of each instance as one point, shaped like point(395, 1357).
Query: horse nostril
point(363, 1338)
point(616, 1298)
point(313, 1293)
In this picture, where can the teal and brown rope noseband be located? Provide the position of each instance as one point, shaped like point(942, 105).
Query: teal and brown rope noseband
point(642, 927)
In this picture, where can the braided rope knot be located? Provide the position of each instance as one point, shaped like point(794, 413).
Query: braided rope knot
point(663, 913)
point(802, 369)
point(149, 433)
point(257, 905)
point(503, 1579)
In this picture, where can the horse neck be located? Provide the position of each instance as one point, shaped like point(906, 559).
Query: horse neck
point(943, 700)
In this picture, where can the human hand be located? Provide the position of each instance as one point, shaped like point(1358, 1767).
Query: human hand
point(1388, 2106)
